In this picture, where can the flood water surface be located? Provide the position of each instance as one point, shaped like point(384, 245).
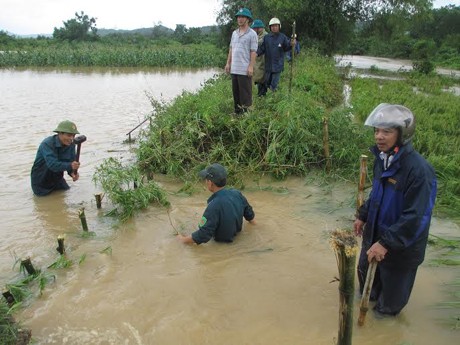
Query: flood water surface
point(135, 283)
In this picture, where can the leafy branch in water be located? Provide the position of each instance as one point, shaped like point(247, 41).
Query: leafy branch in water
point(128, 190)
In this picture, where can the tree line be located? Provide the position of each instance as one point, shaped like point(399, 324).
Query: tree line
point(392, 28)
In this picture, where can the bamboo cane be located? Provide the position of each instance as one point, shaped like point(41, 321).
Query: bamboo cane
point(99, 197)
point(60, 248)
point(9, 297)
point(326, 144)
point(292, 55)
point(27, 264)
point(81, 214)
point(362, 181)
point(364, 305)
point(346, 247)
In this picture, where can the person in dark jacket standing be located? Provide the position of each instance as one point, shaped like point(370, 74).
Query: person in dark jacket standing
point(55, 155)
point(223, 217)
point(396, 217)
point(274, 47)
point(259, 68)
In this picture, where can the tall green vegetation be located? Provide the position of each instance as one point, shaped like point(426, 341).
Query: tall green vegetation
point(123, 55)
point(281, 136)
point(326, 24)
point(80, 28)
point(403, 29)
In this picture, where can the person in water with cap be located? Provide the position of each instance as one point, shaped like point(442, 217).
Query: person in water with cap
point(55, 155)
point(223, 217)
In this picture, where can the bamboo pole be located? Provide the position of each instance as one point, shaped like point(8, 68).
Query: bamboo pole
point(364, 305)
point(292, 56)
point(81, 214)
point(362, 181)
point(10, 300)
point(99, 197)
point(346, 247)
point(27, 264)
point(326, 144)
point(60, 248)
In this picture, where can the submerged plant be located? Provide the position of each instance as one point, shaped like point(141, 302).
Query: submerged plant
point(128, 190)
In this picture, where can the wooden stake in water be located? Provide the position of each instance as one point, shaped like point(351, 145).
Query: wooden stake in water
point(60, 248)
point(8, 297)
point(81, 214)
point(364, 305)
point(346, 247)
point(99, 197)
point(362, 181)
point(27, 264)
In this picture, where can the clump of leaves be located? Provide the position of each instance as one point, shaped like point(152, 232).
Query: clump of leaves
point(8, 327)
point(128, 190)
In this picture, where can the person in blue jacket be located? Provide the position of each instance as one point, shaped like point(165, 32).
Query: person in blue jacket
point(396, 217)
point(223, 217)
point(274, 47)
point(55, 155)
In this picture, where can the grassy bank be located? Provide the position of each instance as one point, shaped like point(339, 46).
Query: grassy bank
point(123, 55)
point(283, 134)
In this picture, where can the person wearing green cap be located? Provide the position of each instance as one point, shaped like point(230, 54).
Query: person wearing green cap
point(223, 217)
point(241, 60)
point(55, 155)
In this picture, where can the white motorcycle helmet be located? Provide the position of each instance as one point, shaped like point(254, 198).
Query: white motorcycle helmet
point(393, 116)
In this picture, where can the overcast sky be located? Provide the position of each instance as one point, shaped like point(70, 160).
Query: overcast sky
point(23, 17)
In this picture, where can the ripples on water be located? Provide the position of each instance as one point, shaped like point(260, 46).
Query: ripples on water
point(272, 286)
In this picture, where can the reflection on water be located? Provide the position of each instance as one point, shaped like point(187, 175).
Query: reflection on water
point(271, 286)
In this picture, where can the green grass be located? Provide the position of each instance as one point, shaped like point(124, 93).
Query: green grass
point(126, 55)
point(282, 134)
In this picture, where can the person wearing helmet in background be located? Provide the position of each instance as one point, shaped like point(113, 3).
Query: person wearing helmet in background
point(55, 155)
point(241, 60)
point(259, 69)
point(395, 219)
point(274, 47)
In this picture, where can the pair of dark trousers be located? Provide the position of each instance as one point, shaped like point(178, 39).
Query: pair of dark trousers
point(392, 285)
point(261, 89)
point(242, 92)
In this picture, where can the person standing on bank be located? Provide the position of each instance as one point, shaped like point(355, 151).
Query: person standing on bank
point(259, 69)
point(274, 47)
point(241, 60)
point(223, 217)
point(55, 155)
point(396, 217)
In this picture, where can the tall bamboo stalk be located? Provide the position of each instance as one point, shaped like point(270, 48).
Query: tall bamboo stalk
point(362, 181)
point(326, 144)
point(364, 305)
point(345, 246)
point(81, 214)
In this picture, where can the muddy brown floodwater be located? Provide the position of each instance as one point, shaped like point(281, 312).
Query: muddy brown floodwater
point(273, 285)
